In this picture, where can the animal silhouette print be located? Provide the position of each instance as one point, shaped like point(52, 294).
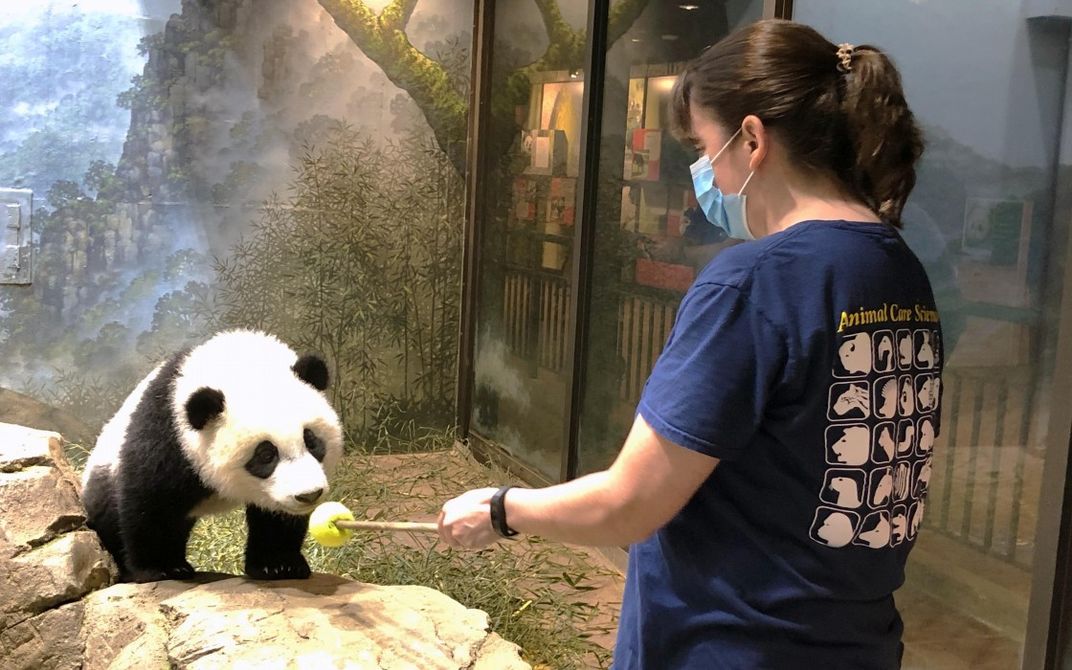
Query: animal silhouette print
point(884, 360)
point(853, 401)
point(916, 515)
point(926, 435)
point(906, 437)
point(843, 489)
point(902, 481)
point(848, 445)
point(854, 354)
point(923, 477)
point(833, 528)
point(875, 531)
point(885, 443)
point(887, 397)
point(899, 525)
point(882, 408)
point(904, 349)
point(924, 350)
point(881, 487)
point(927, 396)
point(908, 397)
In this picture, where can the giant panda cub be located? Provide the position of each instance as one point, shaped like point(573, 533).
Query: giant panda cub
point(237, 420)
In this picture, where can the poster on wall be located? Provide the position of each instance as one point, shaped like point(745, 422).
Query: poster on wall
point(524, 199)
point(547, 152)
point(643, 155)
point(996, 231)
point(994, 246)
point(562, 201)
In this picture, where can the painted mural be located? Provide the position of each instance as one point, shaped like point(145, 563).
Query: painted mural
point(289, 165)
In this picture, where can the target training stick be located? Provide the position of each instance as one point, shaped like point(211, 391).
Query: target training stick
point(331, 524)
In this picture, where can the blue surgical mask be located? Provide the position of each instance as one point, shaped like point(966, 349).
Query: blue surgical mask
point(727, 211)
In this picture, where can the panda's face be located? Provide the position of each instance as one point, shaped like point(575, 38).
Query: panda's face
point(275, 455)
point(260, 434)
point(282, 470)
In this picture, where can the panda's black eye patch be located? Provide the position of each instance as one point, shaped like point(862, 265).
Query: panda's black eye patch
point(314, 444)
point(262, 463)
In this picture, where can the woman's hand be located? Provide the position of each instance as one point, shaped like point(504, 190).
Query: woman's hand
point(465, 521)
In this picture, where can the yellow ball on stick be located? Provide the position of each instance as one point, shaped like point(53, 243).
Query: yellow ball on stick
point(331, 524)
point(322, 524)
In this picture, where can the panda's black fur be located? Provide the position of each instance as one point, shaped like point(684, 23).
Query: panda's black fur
point(143, 502)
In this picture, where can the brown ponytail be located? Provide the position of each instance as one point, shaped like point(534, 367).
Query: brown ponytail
point(885, 137)
point(838, 110)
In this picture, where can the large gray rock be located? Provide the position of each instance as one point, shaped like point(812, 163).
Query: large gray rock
point(323, 622)
point(49, 641)
point(48, 560)
point(55, 612)
point(23, 410)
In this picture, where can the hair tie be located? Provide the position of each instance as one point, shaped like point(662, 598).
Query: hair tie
point(844, 54)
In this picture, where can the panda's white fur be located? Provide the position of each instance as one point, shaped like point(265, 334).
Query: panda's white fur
point(263, 400)
point(151, 467)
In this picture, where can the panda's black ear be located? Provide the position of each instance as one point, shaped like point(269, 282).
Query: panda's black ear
point(312, 370)
point(203, 406)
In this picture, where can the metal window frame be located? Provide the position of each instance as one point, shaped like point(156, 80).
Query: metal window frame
point(476, 159)
point(1047, 637)
point(581, 270)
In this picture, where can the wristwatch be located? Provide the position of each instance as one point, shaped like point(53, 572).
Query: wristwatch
point(498, 513)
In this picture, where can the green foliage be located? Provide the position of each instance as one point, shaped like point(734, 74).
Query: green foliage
point(452, 54)
point(361, 263)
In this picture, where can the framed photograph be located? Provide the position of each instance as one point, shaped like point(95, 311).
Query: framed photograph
point(562, 201)
point(995, 245)
point(548, 153)
point(524, 199)
point(997, 231)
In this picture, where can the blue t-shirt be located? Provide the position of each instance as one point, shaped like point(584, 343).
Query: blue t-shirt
point(809, 363)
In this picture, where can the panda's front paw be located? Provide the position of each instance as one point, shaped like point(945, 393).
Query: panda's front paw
point(179, 571)
point(286, 566)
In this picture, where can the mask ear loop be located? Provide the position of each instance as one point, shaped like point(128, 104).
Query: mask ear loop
point(745, 184)
point(725, 146)
point(723, 150)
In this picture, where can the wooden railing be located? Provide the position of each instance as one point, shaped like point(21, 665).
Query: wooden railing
point(985, 491)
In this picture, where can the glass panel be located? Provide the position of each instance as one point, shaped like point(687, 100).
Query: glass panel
point(198, 166)
point(527, 220)
point(651, 238)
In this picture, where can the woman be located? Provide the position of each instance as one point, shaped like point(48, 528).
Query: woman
point(770, 497)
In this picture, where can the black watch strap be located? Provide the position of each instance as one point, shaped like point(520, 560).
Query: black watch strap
point(498, 513)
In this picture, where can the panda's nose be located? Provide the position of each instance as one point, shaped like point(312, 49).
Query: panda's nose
point(309, 497)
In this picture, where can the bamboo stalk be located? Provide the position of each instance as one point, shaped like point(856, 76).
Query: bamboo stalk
point(387, 525)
